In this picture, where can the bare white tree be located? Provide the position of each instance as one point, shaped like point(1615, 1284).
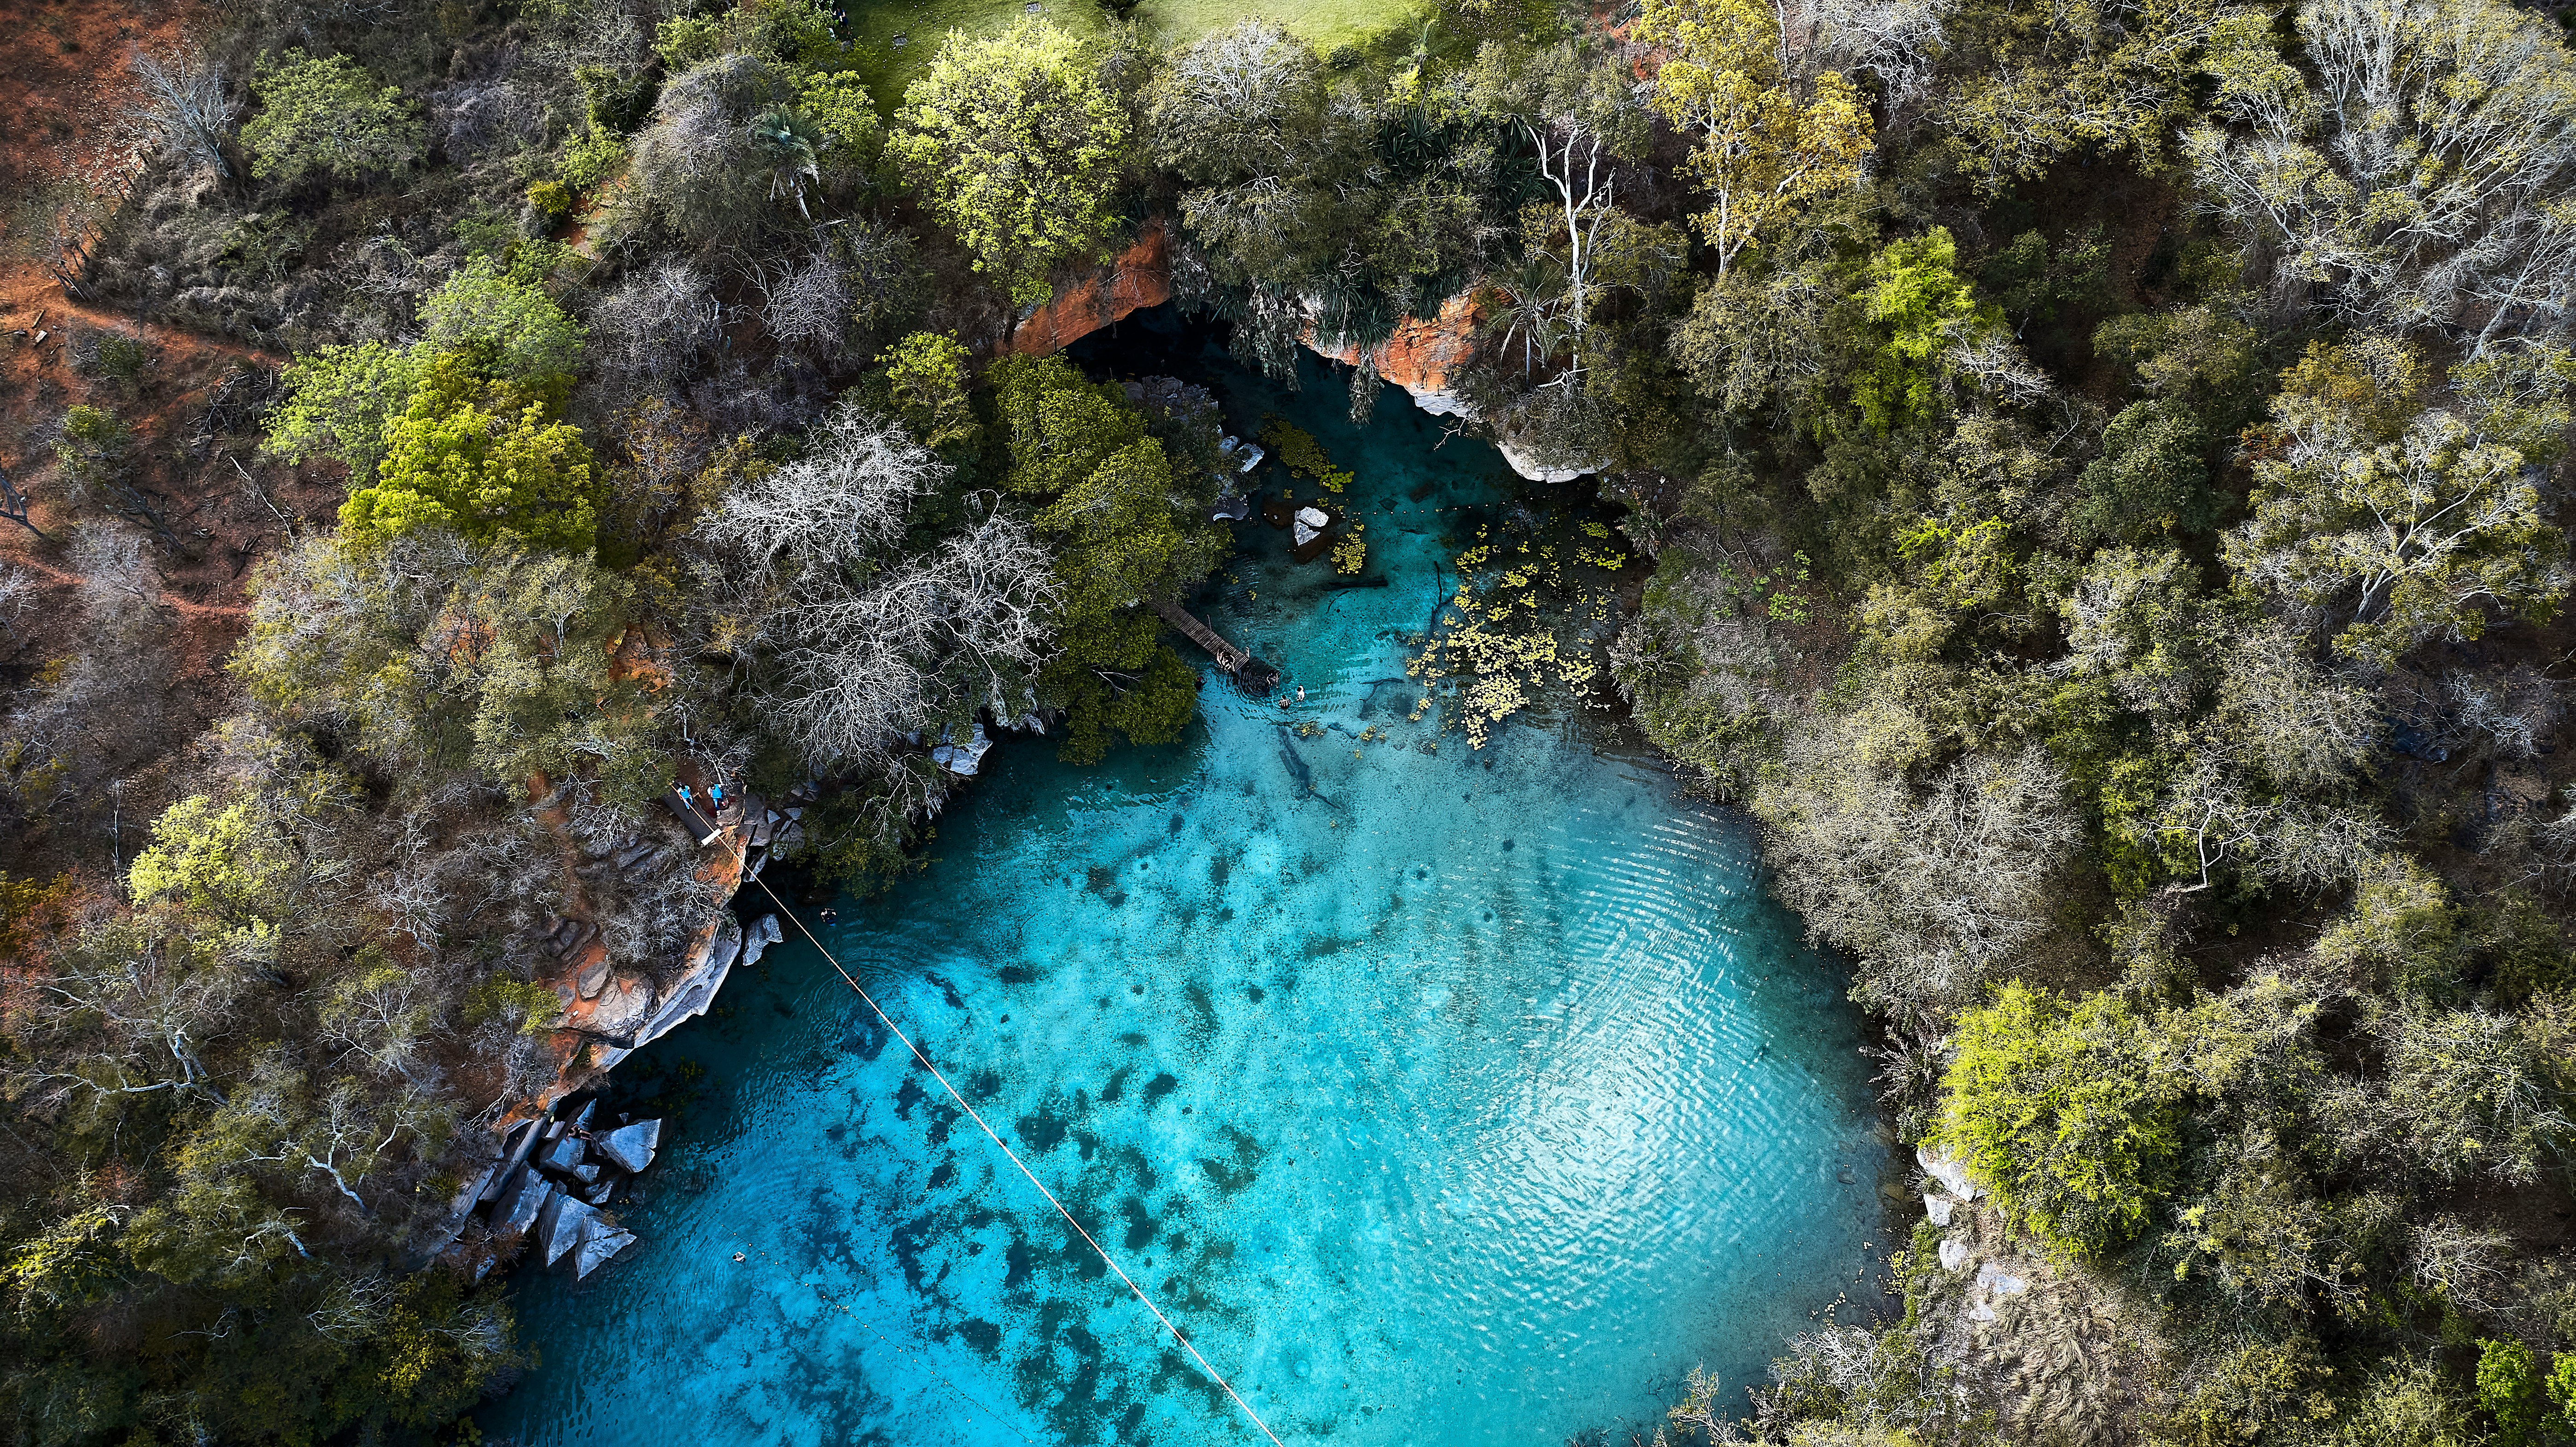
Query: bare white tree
point(867, 647)
point(2465, 1263)
point(17, 595)
point(1898, 42)
point(1934, 890)
point(806, 302)
point(184, 103)
point(933, 638)
point(653, 326)
point(1237, 101)
point(2420, 179)
point(845, 498)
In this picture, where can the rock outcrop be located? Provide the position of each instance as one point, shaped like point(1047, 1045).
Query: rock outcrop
point(1424, 356)
point(1140, 277)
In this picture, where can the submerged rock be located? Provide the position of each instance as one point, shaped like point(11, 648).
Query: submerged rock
point(630, 1148)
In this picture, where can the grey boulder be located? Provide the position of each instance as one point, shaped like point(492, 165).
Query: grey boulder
point(599, 1246)
point(520, 1202)
point(630, 1148)
point(560, 1226)
point(562, 1157)
point(764, 933)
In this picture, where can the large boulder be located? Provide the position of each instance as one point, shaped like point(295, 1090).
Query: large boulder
point(521, 1202)
point(559, 1226)
point(562, 1158)
point(599, 1245)
point(962, 759)
point(630, 1148)
point(763, 933)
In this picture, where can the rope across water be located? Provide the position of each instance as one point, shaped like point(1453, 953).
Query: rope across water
point(990, 1134)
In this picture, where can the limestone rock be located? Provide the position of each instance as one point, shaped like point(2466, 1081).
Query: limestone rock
point(594, 979)
point(1938, 1208)
point(764, 932)
point(1140, 277)
point(696, 990)
point(559, 1226)
point(1526, 462)
point(1954, 1253)
point(598, 1195)
point(1994, 1279)
point(1310, 523)
point(521, 1202)
point(630, 1148)
point(1949, 1172)
point(587, 1173)
point(599, 1247)
point(962, 759)
point(562, 1157)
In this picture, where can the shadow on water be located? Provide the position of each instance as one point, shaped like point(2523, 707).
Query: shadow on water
point(1438, 1093)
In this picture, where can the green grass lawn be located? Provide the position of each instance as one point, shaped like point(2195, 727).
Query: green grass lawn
point(924, 23)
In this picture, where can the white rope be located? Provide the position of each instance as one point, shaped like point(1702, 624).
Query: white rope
point(852, 981)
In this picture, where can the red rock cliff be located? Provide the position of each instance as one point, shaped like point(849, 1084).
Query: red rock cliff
point(1139, 278)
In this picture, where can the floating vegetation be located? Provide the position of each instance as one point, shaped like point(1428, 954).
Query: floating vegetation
point(1513, 630)
point(1300, 453)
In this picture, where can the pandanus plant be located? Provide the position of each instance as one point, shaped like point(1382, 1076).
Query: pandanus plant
point(788, 141)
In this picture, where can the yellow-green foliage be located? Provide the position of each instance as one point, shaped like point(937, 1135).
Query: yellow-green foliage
point(481, 459)
point(1301, 454)
point(2069, 1115)
point(1500, 640)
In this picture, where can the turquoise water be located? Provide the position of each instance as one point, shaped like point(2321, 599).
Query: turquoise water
point(1460, 1097)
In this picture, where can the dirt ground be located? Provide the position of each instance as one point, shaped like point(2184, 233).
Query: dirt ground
point(67, 145)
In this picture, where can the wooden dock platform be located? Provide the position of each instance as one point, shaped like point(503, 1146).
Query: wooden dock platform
point(1242, 667)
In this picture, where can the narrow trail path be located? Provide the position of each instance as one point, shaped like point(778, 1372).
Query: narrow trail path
point(17, 558)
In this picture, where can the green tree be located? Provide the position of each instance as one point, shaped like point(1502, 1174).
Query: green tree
point(327, 117)
point(927, 381)
point(1127, 531)
point(2067, 1113)
point(2399, 522)
point(338, 402)
point(511, 330)
point(1015, 143)
point(1763, 145)
point(1921, 305)
point(2151, 481)
point(845, 120)
point(482, 459)
point(2510, 1390)
point(436, 653)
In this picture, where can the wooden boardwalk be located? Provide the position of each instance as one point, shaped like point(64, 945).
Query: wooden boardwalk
point(1242, 667)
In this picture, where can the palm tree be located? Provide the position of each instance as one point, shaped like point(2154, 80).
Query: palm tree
point(788, 141)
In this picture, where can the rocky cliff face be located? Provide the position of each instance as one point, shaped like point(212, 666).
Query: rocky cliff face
point(1423, 357)
point(1139, 278)
point(606, 1014)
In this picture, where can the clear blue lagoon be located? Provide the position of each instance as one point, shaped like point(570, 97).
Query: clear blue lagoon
point(1466, 1097)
